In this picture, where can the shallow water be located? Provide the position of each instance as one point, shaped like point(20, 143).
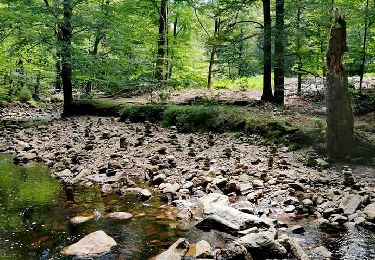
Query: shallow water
point(35, 210)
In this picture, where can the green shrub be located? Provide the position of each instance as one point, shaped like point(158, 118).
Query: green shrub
point(25, 95)
point(4, 91)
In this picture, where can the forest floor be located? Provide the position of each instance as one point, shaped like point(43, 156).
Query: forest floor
point(256, 190)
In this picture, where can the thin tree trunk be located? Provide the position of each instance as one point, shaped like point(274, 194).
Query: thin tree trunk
point(240, 56)
point(340, 121)
point(65, 39)
point(363, 61)
point(267, 52)
point(160, 73)
point(212, 56)
point(210, 67)
point(299, 46)
point(174, 46)
point(279, 53)
point(58, 70)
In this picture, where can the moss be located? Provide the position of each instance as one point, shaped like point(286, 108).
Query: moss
point(204, 118)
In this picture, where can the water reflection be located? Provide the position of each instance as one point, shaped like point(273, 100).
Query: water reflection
point(35, 210)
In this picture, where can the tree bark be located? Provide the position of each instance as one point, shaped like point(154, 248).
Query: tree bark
point(212, 55)
point(267, 52)
point(279, 53)
point(340, 121)
point(58, 70)
point(160, 73)
point(299, 46)
point(65, 39)
point(174, 46)
point(363, 61)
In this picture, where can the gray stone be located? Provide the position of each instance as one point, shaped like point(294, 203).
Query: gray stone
point(262, 244)
point(144, 194)
point(350, 203)
point(214, 198)
point(203, 249)
point(176, 251)
point(80, 219)
point(369, 210)
point(298, 229)
point(94, 244)
point(322, 252)
point(119, 215)
point(218, 223)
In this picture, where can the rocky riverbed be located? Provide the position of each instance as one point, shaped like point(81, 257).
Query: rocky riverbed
point(262, 199)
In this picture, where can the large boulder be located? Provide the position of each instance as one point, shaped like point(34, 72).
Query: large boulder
point(176, 251)
point(369, 210)
point(218, 223)
point(233, 252)
point(213, 198)
point(94, 244)
point(262, 244)
point(350, 203)
point(238, 218)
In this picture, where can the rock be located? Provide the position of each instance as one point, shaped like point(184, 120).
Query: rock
point(24, 157)
point(297, 186)
point(80, 219)
point(262, 244)
point(83, 173)
point(64, 174)
point(119, 215)
point(233, 252)
point(350, 203)
point(369, 210)
point(176, 251)
point(289, 209)
point(218, 223)
point(94, 244)
point(106, 189)
point(203, 249)
point(214, 198)
point(322, 252)
point(291, 201)
point(307, 203)
point(321, 163)
point(254, 196)
point(158, 179)
point(257, 184)
point(292, 245)
point(241, 219)
point(144, 194)
point(348, 177)
point(298, 229)
point(185, 215)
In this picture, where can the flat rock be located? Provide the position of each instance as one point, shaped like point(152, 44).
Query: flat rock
point(238, 218)
point(218, 223)
point(176, 251)
point(369, 210)
point(80, 219)
point(350, 203)
point(214, 198)
point(94, 244)
point(322, 252)
point(262, 244)
point(119, 215)
point(144, 194)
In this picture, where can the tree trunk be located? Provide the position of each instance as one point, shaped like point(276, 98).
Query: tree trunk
point(174, 46)
point(65, 39)
point(58, 70)
point(279, 53)
point(210, 67)
point(267, 52)
point(299, 47)
point(161, 61)
point(241, 70)
point(363, 61)
point(340, 121)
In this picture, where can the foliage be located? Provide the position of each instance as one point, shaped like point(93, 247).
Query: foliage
point(25, 95)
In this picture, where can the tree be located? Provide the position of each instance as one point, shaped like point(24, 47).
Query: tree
point(279, 53)
point(365, 35)
point(340, 122)
point(267, 52)
point(161, 62)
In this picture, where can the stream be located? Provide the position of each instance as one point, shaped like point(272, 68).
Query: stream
point(35, 211)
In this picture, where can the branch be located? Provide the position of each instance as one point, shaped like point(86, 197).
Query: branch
point(196, 14)
point(246, 38)
point(7, 35)
point(246, 21)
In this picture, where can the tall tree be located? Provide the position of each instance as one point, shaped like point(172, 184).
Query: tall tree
point(267, 52)
point(65, 39)
point(365, 34)
point(340, 122)
point(161, 62)
point(279, 53)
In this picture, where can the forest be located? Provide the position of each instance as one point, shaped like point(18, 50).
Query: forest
point(187, 129)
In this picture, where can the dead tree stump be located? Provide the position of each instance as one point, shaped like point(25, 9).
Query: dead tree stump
point(340, 121)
